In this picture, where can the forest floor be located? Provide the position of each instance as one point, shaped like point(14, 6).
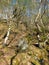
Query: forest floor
point(33, 55)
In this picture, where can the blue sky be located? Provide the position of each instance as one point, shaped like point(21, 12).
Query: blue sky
point(14, 1)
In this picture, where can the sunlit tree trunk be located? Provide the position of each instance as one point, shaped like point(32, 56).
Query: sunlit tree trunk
point(8, 32)
point(41, 13)
point(7, 36)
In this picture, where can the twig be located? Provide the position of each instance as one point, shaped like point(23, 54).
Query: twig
point(11, 61)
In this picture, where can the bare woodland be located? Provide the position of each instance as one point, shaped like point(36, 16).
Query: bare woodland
point(24, 32)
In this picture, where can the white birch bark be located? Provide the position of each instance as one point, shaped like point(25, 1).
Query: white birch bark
point(8, 32)
point(39, 16)
point(6, 38)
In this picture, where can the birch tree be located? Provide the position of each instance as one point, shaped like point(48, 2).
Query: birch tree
point(41, 12)
point(8, 33)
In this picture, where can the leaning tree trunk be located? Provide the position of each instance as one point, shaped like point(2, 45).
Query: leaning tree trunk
point(40, 15)
point(7, 36)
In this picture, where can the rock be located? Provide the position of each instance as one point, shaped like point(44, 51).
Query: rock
point(22, 45)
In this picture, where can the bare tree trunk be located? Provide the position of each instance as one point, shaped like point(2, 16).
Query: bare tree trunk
point(8, 32)
point(7, 36)
point(40, 15)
